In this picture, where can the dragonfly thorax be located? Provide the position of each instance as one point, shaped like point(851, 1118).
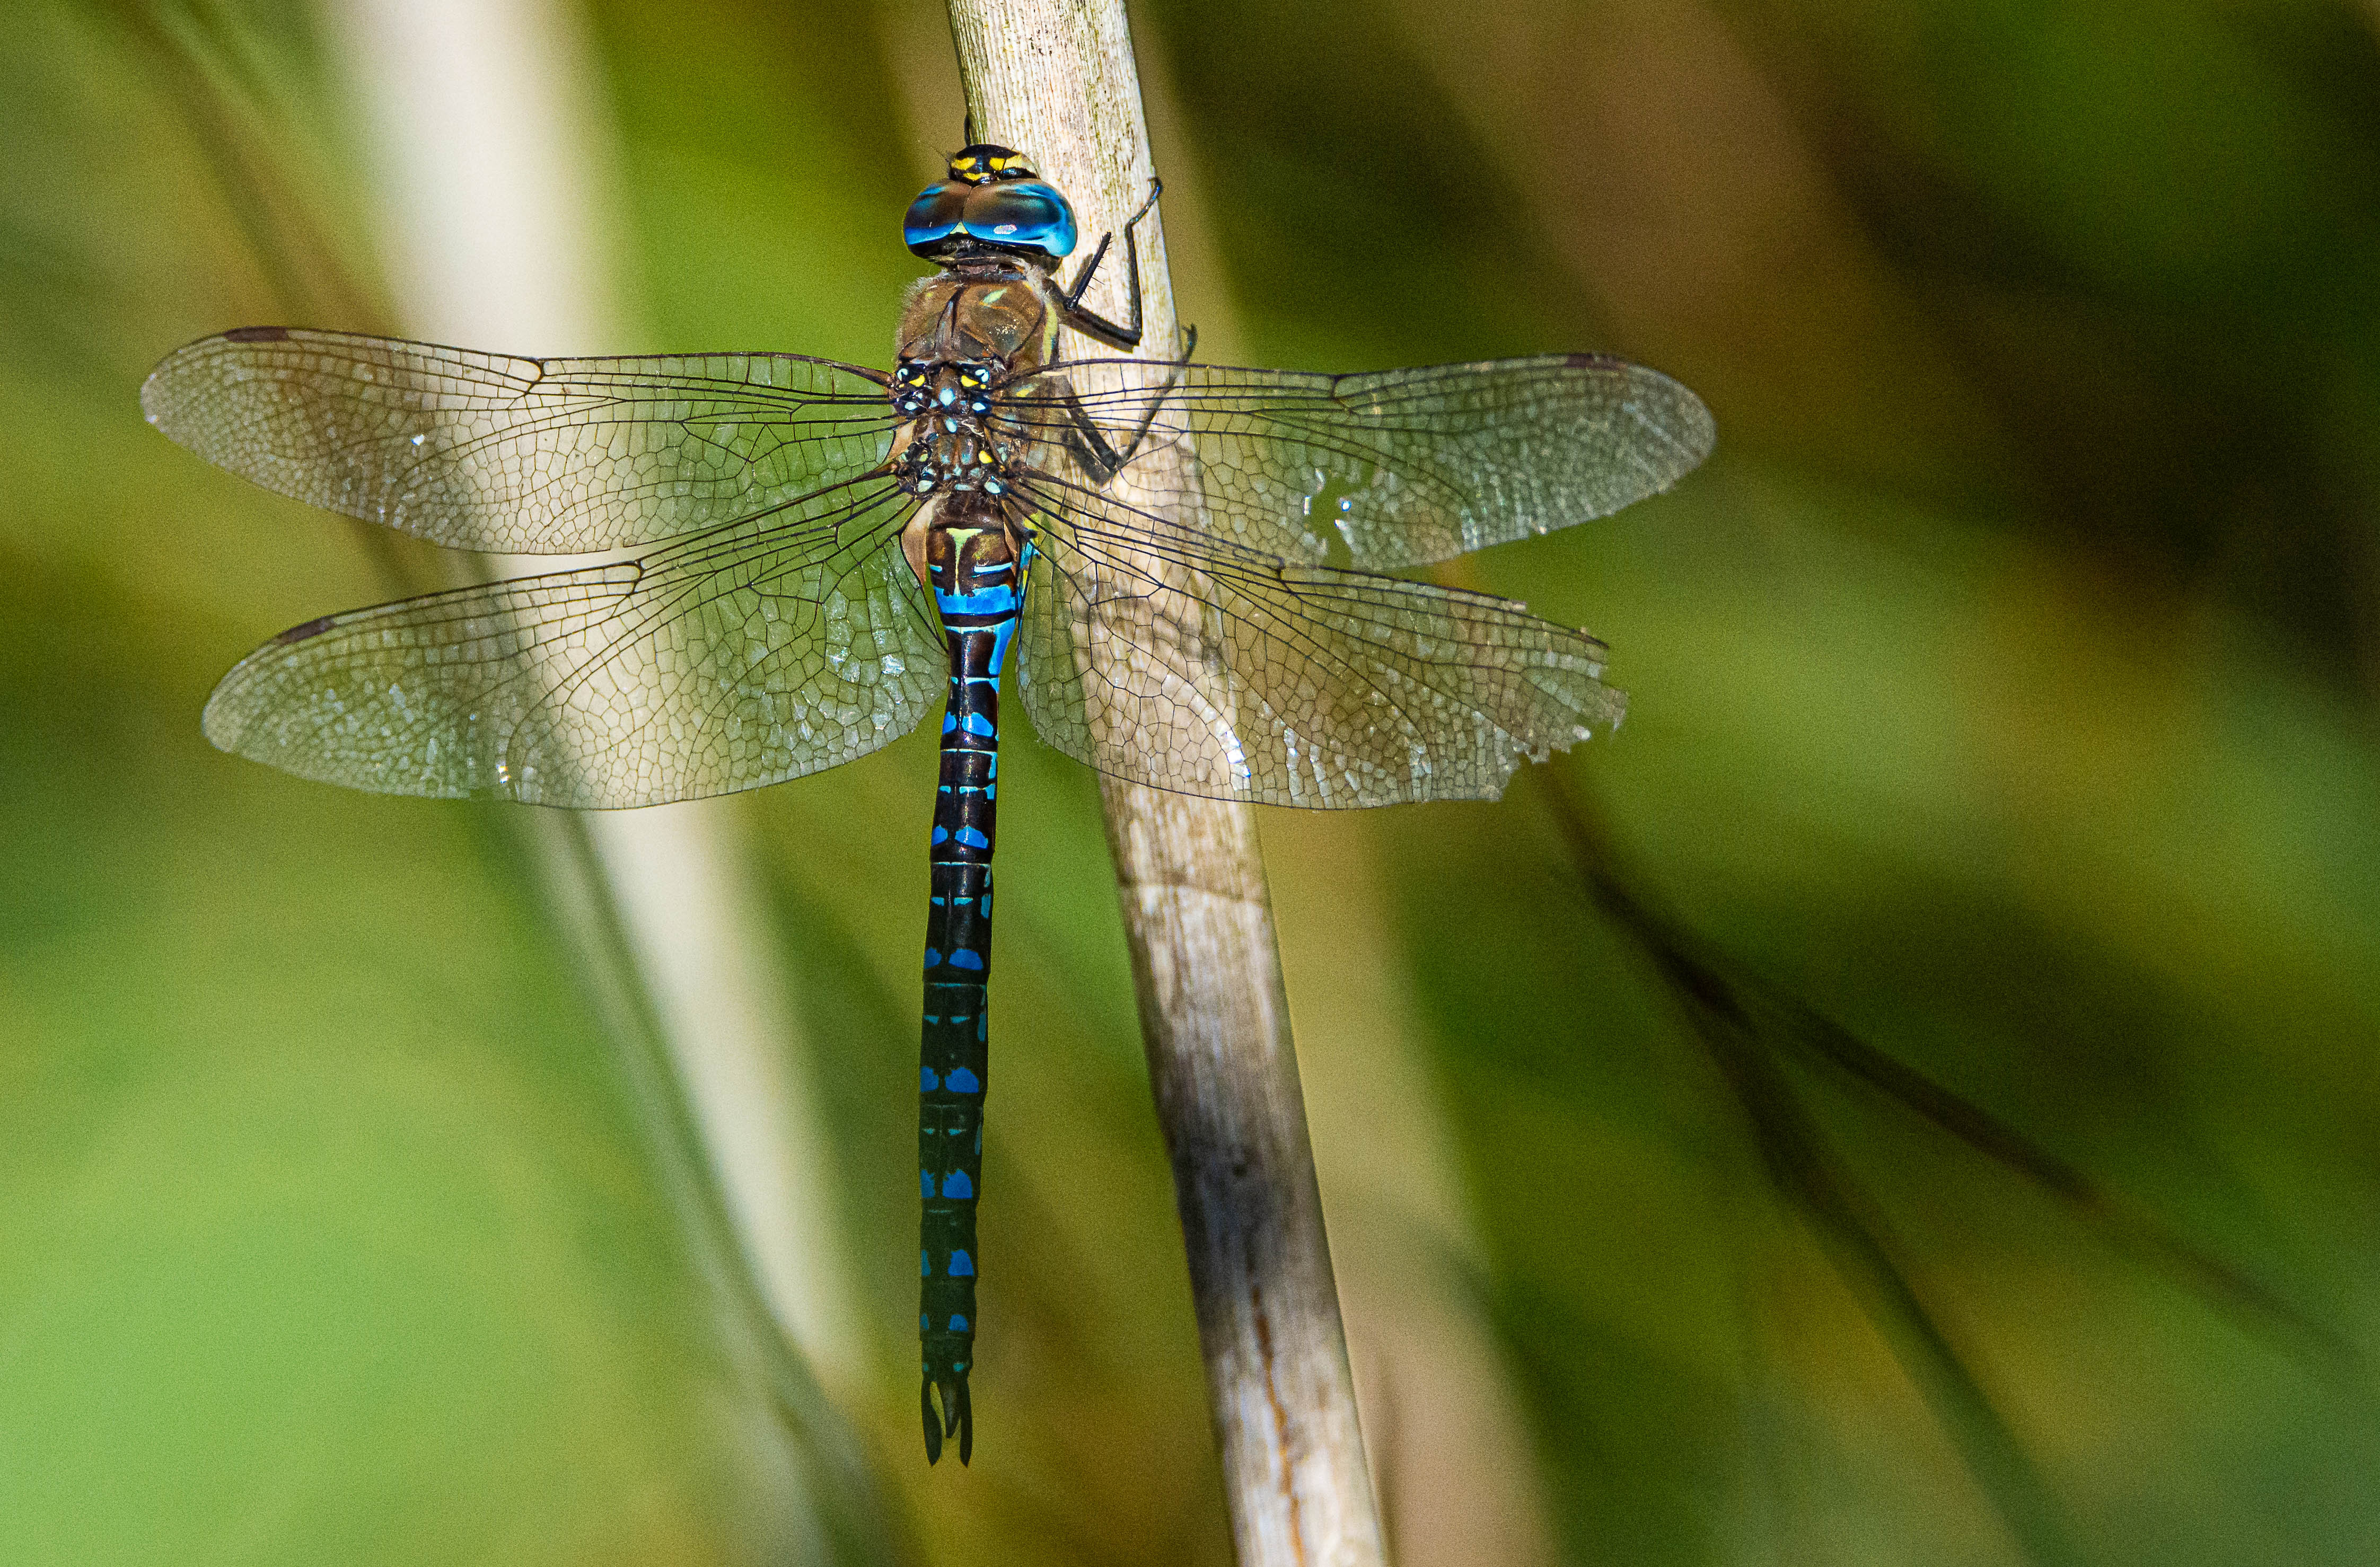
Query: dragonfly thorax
point(951, 445)
point(961, 389)
point(996, 313)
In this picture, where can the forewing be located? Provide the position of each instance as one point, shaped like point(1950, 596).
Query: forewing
point(1387, 470)
point(533, 457)
point(762, 650)
point(1156, 652)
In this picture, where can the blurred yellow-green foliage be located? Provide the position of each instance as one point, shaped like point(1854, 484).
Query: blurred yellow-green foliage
point(2004, 689)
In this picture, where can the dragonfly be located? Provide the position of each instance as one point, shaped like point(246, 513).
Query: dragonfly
point(1194, 565)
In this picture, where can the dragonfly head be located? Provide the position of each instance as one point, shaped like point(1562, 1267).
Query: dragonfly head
point(992, 204)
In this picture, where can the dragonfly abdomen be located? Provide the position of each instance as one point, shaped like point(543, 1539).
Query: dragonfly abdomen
point(975, 576)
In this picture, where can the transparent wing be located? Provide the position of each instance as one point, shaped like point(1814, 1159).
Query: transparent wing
point(1386, 469)
point(533, 457)
point(1157, 652)
point(763, 650)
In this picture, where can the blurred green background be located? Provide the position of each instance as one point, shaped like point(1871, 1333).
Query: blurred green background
point(2003, 690)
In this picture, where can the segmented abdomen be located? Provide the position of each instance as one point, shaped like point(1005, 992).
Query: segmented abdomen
point(977, 586)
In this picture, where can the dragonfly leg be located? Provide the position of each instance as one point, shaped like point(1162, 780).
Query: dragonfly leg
point(1100, 458)
point(1127, 335)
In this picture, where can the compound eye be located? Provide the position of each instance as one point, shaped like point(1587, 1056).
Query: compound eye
point(934, 216)
point(1022, 215)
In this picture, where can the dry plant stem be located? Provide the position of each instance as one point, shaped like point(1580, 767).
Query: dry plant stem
point(1056, 80)
point(1215, 1020)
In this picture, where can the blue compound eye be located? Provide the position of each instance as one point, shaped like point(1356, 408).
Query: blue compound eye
point(1024, 214)
point(934, 215)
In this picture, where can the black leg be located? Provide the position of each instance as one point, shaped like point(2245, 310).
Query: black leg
point(1101, 459)
point(1074, 295)
point(1126, 336)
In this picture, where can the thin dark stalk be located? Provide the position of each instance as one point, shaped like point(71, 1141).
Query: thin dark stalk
point(1775, 1014)
point(1805, 1168)
point(1810, 1030)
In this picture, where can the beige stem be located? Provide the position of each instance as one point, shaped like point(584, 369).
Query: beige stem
point(1055, 80)
point(490, 143)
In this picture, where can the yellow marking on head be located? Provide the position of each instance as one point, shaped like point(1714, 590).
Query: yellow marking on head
point(978, 169)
